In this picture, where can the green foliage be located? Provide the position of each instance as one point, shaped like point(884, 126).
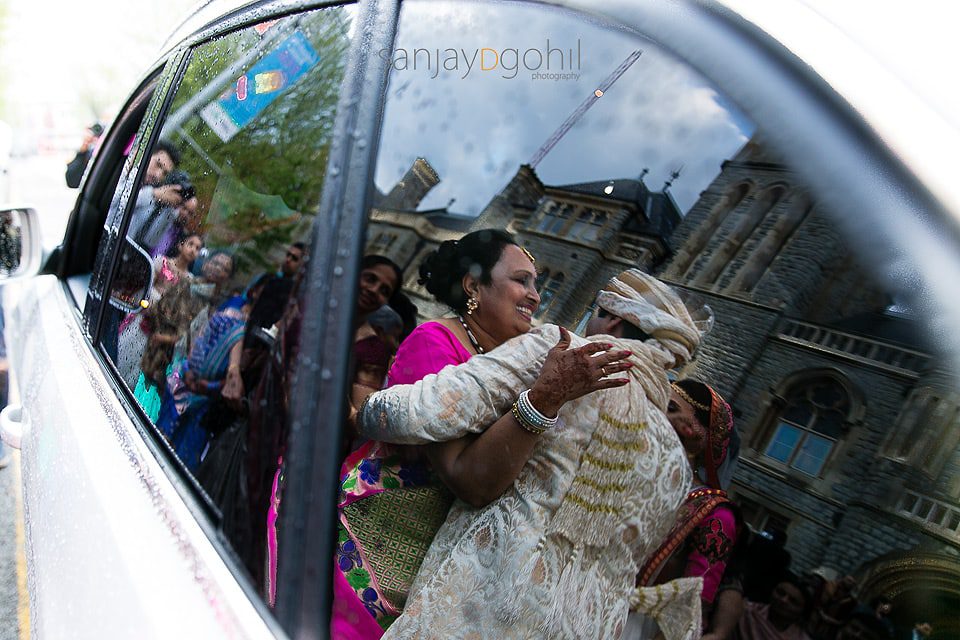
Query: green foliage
point(276, 163)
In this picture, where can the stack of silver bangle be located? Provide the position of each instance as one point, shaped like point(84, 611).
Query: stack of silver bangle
point(529, 418)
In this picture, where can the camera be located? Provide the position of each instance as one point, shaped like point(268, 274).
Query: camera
point(182, 180)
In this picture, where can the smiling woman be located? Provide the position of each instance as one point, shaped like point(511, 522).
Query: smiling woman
point(488, 282)
point(660, 170)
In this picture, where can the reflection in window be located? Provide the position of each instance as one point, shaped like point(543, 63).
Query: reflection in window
point(743, 227)
point(762, 253)
point(10, 242)
point(809, 426)
point(549, 286)
point(588, 225)
point(201, 326)
point(448, 163)
point(555, 218)
point(705, 231)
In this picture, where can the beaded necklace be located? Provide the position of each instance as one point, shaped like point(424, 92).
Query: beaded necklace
point(706, 491)
point(473, 338)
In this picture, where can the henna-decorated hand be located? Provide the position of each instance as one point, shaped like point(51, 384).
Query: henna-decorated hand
point(568, 374)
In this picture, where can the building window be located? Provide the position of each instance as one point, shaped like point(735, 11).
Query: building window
point(555, 218)
point(588, 225)
point(381, 243)
point(809, 426)
point(761, 519)
point(548, 285)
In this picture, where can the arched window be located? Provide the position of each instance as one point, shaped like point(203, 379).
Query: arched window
point(814, 416)
point(588, 225)
point(555, 217)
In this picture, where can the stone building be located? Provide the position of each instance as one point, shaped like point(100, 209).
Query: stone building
point(580, 234)
point(850, 430)
point(850, 427)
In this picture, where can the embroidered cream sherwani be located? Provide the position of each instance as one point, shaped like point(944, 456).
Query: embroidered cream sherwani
point(557, 555)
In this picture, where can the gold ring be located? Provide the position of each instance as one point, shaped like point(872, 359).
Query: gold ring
point(603, 372)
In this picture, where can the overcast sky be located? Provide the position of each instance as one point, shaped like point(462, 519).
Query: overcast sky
point(79, 64)
point(476, 130)
point(67, 63)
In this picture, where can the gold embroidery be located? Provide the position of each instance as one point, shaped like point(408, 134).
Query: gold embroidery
point(640, 446)
point(686, 396)
point(625, 426)
point(593, 508)
point(599, 486)
point(606, 464)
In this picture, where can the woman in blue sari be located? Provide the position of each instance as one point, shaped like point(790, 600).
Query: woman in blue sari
point(211, 369)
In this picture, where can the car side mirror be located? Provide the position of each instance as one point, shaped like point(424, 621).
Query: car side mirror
point(21, 255)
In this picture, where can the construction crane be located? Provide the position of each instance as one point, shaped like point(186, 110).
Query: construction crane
point(582, 109)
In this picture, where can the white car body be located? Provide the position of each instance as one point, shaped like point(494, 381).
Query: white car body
point(118, 514)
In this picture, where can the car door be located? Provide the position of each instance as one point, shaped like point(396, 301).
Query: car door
point(679, 139)
point(848, 429)
point(122, 532)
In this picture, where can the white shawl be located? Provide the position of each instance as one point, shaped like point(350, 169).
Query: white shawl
point(626, 475)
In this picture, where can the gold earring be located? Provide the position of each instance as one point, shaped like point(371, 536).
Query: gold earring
point(472, 304)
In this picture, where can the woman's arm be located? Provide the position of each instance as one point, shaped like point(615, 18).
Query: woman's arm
point(479, 468)
point(233, 384)
point(726, 614)
point(449, 402)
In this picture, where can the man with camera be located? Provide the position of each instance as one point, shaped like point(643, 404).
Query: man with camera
point(159, 201)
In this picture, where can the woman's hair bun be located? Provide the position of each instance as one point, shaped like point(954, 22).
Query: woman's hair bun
point(443, 269)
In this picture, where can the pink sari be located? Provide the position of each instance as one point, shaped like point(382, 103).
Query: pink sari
point(362, 610)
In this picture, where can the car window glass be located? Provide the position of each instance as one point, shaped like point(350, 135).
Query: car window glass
point(102, 195)
point(203, 321)
point(600, 152)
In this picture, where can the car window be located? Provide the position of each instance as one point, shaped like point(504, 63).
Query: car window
point(203, 318)
point(599, 152)
point(76, 258)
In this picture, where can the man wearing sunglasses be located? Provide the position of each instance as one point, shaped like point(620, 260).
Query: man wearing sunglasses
point(269, 306)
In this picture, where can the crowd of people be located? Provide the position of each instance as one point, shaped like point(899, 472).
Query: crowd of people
point(498, 479)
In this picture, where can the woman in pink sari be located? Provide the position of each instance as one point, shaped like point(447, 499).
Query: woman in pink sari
point(394, 498)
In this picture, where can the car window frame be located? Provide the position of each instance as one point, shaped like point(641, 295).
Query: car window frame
point(86, 219)
point(117, 218)
point(342, 207)
point(320, 387)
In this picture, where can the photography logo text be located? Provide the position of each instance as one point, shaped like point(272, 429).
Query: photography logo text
point(547, 63)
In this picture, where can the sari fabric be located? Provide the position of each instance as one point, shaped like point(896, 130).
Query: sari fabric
point(755, 625)
point(376, 560)
point(557, 555)
point(702, 538)
point(182, 411)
